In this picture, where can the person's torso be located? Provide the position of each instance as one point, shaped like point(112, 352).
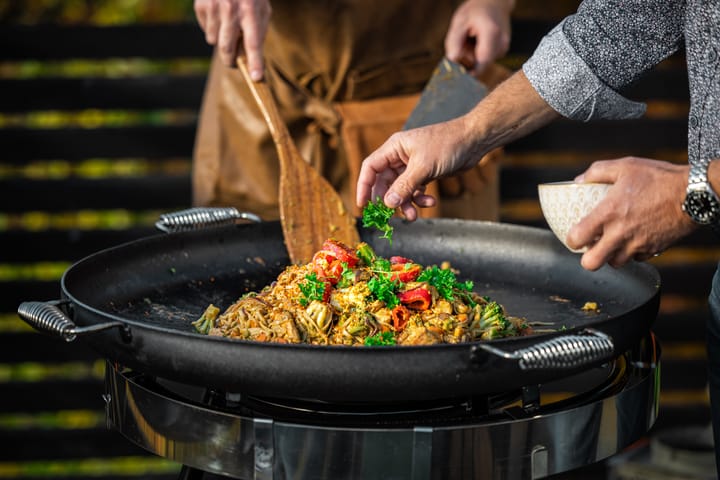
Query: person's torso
point(358, 49)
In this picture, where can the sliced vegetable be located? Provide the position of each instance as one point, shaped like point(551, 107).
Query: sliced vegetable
point(398, 259)
point(405, 272)
point(400, 316)
point(416, 299)
point(339, 251)
point(327, 267)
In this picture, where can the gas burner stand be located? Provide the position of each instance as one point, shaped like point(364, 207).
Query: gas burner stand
point(528, 434)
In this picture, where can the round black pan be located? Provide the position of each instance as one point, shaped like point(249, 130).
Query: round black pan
point(158, 285)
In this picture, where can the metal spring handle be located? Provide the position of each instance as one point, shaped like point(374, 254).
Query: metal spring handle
point(568, 351)
point(48, 318)
point(201, 217)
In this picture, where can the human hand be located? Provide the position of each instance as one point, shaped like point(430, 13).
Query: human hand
point(400, 169)
point(479, 33)
point(225, 21)
point(640, 216)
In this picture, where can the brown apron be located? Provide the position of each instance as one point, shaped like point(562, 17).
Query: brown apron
point(346, 76)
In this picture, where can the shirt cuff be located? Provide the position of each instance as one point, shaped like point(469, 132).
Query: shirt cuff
point(569, 86)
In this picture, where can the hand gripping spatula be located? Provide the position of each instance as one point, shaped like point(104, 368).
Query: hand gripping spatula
point(450, 93)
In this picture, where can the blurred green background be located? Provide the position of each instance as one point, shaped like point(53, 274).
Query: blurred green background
point(50, 429)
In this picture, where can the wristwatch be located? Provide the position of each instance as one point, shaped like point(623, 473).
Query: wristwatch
point(701, 203)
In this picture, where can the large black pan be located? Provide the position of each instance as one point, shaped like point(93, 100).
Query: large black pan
point(158, 285)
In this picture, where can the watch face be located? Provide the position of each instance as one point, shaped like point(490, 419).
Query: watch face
point(702, 206)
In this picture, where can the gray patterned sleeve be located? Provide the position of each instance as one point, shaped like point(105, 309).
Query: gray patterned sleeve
point(579, 66)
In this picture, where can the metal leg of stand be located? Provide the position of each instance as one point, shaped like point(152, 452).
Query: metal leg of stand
point(189, 473)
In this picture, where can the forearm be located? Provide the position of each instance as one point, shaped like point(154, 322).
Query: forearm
point(511, 111)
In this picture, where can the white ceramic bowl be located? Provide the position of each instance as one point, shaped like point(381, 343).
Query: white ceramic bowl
point(566, 203)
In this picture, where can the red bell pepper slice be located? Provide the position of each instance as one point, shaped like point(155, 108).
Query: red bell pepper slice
point(416, 299)
point(327, 267)
point(398, 259)
point(340, 251)
point(326, 293)
point(400, 316)
point(405, 272)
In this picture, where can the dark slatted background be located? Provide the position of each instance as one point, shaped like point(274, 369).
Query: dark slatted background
point(90, 159)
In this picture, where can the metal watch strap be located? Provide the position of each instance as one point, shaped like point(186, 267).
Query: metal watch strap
point(699, 175)
point(698, 172)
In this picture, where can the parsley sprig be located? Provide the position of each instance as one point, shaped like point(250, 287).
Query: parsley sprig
point(384, 289)
point(380, 284)
point(444, 280)
point(381, 339)
point(312, 289)
point(377, 215)
point(347, 277)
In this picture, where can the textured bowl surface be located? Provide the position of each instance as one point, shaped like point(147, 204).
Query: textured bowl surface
point(566, 203)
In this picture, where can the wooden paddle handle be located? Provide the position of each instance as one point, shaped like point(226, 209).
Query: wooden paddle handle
point(311, 210)
point(265, 100)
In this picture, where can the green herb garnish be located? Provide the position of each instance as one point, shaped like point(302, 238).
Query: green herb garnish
point(347, 276)
point(381, 339)
point(382, 267)
point(444, 280)
point(312, 289)
point(384, 289)
point(377, 215)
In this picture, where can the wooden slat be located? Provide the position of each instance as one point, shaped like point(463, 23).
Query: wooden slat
point(684, 375)
point(176, 141)
point(688, 279)
point(64, 444)
point(687, 326)
point(521, 182)
point(137, 193)
point(37, 347)
point(56, 42)
point(676, 417)
point(149, 92)
point(23, 144)
point(51, 395)
point(621, 135)
point(24, 246)
point(16, 292)
point(129, 476)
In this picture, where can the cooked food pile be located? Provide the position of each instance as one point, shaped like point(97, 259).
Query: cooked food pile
point(348, 296)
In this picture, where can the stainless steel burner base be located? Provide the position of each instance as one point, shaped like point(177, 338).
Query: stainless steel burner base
point(534, 444)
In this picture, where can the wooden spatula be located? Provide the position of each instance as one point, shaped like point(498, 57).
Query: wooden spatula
point(311, 210)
